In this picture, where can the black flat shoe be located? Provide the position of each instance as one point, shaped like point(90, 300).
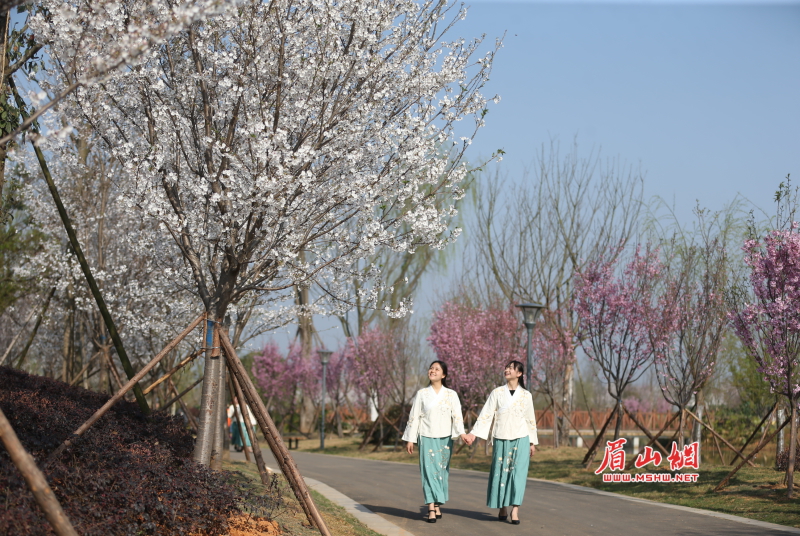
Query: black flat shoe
point(439, 513)
point(501, 518)
point(515, 521)
point(429, 519)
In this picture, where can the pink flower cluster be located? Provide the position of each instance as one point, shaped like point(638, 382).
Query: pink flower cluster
point(620, 322)
point(769, 325)
point(476, 343)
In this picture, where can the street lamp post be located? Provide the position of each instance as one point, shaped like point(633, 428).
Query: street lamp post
point(530, 312)
point(324, 357)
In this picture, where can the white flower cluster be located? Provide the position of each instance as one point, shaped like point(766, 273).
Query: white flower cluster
point(277, 142)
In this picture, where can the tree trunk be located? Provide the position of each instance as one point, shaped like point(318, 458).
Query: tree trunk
point(697, 431)
point(567, 404)
point(618, 426)
point(680, 429)
point(792, 449)
point(556, 427)
point(305, 331)
point(218, 450)
point(208, 400)
point(780, 443)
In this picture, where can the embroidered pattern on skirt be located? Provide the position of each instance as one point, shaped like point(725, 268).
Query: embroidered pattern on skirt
point(434, 467)
point(509, 473)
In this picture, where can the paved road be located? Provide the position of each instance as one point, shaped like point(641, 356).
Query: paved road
point(393, 491)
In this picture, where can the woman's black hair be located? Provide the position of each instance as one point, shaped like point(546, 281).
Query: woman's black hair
point(519, 367)
point(444, 370)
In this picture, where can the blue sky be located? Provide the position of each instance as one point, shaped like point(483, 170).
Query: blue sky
point(705, 97)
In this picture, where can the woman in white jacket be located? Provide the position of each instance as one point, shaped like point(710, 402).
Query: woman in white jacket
point(434, 421)
point(514, 436)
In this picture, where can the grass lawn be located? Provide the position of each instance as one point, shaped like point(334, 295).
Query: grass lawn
point(287, 512)
point(755, 492)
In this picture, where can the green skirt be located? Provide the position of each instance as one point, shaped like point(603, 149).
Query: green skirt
point(509, 473)
point(236, 435)
point(434, 467)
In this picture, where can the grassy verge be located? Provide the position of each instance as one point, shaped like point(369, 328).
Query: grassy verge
point(755, 492)
point(287, 512)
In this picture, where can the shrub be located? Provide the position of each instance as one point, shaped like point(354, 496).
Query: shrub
point(126, 475)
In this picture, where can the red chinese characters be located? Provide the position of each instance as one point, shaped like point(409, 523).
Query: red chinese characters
point(614, 457)
point(688, 457)
point(648, 456)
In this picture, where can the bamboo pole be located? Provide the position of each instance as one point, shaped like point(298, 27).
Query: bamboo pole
point(185, 361)
point(127, 387)
point(272, 436)
point(262, 468)
point(87, 272)
point(654, 440)
point(600, 435)
point(727, 443)
point(178, 397)
point(35, 479)
point(725, 481)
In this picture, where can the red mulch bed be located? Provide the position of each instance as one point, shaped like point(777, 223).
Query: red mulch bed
point(128, 475)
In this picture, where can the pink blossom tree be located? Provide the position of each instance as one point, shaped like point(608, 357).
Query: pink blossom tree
point(553, 353)
point(278, 374)
point(475, 343)
point(382, 371)
point(618, 317)
point(693, 323)
point(766, 316)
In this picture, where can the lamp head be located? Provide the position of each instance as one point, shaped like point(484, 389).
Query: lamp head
point(324, 355)
point(530, 312)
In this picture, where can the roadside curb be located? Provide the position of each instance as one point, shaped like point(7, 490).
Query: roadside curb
point(359, 511)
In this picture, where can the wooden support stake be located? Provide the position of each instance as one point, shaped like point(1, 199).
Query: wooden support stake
point(178, 397)
point(189, 416)
point(262, 468)
point(644, 429)
point(707, 427)
point(127, 387)
point(78, 378)
point(653, 440)
point(569, 421)
point(725, 481)
point(237, 401)
point(272, 436)
point(185, 361)
point(767, 416)
point(599, 437)
point(35, 479)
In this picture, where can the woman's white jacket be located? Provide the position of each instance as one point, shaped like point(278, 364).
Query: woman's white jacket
point(434, 415)
point(513, 415)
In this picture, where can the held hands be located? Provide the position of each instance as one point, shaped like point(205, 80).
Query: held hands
point(410, 447)
point(469, 439)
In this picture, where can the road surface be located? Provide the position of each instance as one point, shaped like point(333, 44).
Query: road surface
point(393, 491)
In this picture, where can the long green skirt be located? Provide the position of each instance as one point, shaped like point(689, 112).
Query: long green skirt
point(236, 435)
point(509, 473)
point(434, 467)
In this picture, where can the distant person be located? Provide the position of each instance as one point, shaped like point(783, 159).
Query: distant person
point(434, 421)
point(237, 423)
point(514, 436)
